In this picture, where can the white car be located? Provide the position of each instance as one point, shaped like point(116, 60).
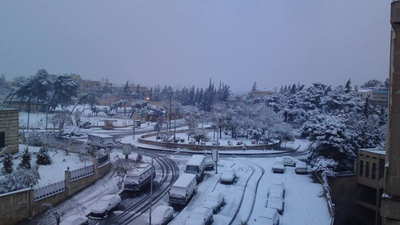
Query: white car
point(75, 220)
point(278, 167)
point(268, 217)
point(279, 185)
point(200, 216)
point(106, 204)
point(289, 161)
point(275, 192)
point(301, 168)
point(228, 176)
point(275, 203)
point(161, 215)
point(214, 201)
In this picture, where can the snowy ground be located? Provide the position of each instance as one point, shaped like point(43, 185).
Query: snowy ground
point(303, 201)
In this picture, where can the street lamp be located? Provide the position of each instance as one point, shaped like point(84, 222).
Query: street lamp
point(133, 130)
point(151, 189)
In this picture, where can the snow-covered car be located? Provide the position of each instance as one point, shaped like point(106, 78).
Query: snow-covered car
point(278, 167)
point(301, 168)
point(214, 201)
point(228, 176)
point(209, 163)
point(161, 215)
point(75, 220)
point(279, 185)
point(200, 216)
point(268, 217)
point(106, 204)
point(275, 192)
point(275, 203)
point(288, 161)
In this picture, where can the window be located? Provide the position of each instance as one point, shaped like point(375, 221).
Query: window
point(361, 168)
point(367, 169)
point(381, 168)
point(2, 140)
point(373, 176)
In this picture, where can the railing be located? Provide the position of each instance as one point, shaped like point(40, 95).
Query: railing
point(327, 192)
point(81, 172)
point(51, 189)
point(102, 160)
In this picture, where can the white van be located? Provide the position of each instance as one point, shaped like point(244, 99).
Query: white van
point(201, 216)
point(196, 165)
point(301, 168)
point(183, 189)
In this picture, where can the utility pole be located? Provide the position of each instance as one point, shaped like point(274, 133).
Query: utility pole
point(170, 106)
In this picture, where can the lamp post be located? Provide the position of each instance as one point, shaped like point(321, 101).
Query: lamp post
point(133, 130)
point(151, 189)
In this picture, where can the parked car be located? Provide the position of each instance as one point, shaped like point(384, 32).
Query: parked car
point(75, 220)
point(209, 163)
point(161, 215)
point(268, 217)
point(301, 168)
point(278, 167)
point(214, 201)
point(200, 216)
point(279, 185)
point(275, 203)
point(228, 176)
point(106, 204)
point(289, 161)
point(276, 192)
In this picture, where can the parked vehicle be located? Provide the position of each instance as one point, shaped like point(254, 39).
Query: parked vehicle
point(209, 163)
point(279, 185)
point(183, 189)
point(289, 161)
point(139, 177)
point(200, 216)
point(214, 201)
point(301, 168)
point(275, 202)
point(228, 176)
point(75, 220)
point(275, 192)
point(268, 217)
point(278, 167)
point(101, 140)
point(161, 215)
point(196, 165)
point(106, 204)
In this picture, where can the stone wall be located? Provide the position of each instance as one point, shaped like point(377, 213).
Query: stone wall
point(15, 206)
point(9, 119)
point(20, 205)
point(204, 147)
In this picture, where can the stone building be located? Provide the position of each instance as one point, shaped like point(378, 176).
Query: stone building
point(390, 204)
point(9, 130)
point(370, 173)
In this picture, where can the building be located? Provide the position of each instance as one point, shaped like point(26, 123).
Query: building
point(9, 119)
point(376, 96)
point(256, 94)
point(370, 178)
point(390, 203)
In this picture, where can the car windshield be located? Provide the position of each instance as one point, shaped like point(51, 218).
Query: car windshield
point(192, 169)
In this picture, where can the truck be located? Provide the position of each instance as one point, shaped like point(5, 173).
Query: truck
point(183, 189)
point(139, 177)
point(196, 165)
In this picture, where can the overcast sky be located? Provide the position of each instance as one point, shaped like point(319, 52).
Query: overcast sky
point(184, 43)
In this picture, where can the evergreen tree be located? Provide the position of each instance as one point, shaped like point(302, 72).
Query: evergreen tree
point(43, 157)
point(8, 162)
point(254, 88)
point(347, 87)
point(26, 160)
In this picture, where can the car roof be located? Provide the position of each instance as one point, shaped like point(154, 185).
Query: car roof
point(269, 213)
point(108, 197)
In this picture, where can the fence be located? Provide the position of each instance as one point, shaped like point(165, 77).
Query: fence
point(81, 172)
point(328, 197)
point(49, 190)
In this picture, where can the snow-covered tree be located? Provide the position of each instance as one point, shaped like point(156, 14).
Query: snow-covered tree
point(26, 160)
point(192, 117)
point(20, 179)
point(42, 157)
point(7, 162)
point(283, 132)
